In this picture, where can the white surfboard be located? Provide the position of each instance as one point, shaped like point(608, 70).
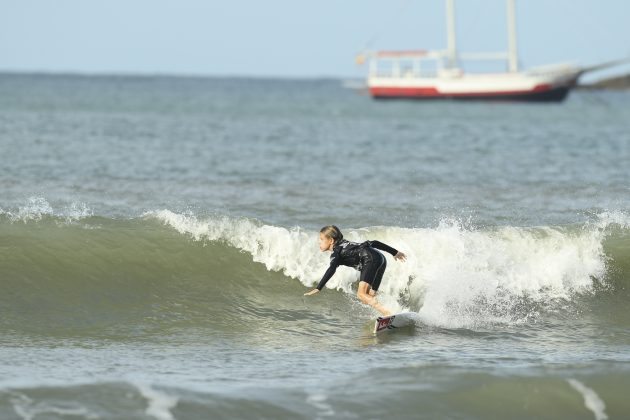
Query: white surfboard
point(403, 319)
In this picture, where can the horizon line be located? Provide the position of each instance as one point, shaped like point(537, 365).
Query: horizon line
point(81, 73)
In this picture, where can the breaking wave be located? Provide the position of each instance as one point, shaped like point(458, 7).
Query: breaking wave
point(187, 266)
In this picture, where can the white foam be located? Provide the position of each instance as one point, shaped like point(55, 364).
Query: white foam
point(592, 401)
point(28, 409)
point(37, 208)
point(77, 211)
point(455, 276)
point(160, 403)
point(611, 218)
point(319, 402)
point(466, 277)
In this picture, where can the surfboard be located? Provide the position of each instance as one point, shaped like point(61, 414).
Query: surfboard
point(403, 319)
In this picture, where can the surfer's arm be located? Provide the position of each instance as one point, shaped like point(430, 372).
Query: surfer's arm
point(384, 247)
point(328, 274)
point(334, 263)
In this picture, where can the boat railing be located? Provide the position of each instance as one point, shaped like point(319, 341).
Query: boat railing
point(405, 64)
point(423, 64)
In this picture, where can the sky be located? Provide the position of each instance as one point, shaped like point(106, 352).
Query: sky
point(293, 38)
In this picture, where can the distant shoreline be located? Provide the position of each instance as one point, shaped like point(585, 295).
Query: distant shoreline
point(131, 75)
point(610, 83)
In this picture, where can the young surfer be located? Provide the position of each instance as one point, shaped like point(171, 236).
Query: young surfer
point(364, 257)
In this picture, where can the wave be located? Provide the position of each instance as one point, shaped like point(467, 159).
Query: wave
point(456, 276)
point(183, 267)
point(440, 391)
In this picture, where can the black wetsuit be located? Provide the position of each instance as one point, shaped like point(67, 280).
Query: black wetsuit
point(363, 257)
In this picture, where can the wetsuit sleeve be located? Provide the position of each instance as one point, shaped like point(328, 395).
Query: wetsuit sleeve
point(334, 263)
point(382, 247)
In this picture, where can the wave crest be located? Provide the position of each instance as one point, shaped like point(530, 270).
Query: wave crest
point(36, 208)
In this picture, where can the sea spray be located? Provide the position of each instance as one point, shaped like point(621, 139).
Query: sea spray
point(470, 277)
point(36, 208)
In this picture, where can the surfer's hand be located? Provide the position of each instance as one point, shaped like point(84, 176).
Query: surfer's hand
point(312, 292)
point(400, 256)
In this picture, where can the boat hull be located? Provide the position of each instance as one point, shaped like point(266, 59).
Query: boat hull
point(557, 94)
point(534, 87)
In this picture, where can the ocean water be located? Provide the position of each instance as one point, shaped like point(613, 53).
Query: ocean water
point(157, 235)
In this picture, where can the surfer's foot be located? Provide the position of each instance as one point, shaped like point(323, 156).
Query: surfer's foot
point(372, 292)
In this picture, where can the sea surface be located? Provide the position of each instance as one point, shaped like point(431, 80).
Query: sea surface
point(157, 235)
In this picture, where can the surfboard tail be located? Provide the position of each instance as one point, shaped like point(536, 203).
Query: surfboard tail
point(383, 323)
point(403, 319)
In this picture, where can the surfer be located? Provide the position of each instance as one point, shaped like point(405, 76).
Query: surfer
point(364, 257)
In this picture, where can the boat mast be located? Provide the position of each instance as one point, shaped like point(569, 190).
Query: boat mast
point(450, 33)
point(511, 23)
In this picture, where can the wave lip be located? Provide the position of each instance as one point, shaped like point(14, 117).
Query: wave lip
point(279, 249)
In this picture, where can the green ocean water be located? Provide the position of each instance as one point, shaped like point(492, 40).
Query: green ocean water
point(157, 235)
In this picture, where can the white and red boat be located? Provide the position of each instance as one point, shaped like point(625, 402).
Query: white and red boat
point(439, 74)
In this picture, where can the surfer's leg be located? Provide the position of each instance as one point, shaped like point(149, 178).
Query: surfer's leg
point(371, 266)
point(364, 297)
point(378, 276)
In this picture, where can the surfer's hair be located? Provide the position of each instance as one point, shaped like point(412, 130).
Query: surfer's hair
point(332, 232)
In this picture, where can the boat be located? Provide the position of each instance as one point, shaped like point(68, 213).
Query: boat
point(439, 74)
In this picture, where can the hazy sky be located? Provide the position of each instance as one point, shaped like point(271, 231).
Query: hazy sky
point(291, 37)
